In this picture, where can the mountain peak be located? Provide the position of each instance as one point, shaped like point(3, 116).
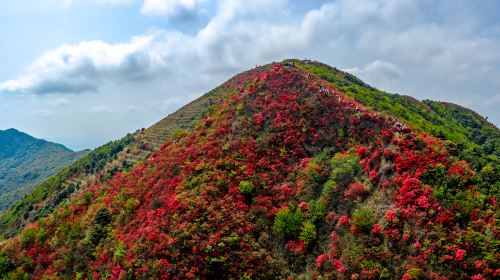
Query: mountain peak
point(290, 170)
point(13, 131)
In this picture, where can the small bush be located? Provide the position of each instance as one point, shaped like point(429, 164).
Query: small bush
point(6, 264)
point(363, 220)
point(246, 188)
point(95, 234)
point(103, 217)
point(288, 223)
point(308, 233)
point(317, 210)
point(28, 237)
point(131, 204)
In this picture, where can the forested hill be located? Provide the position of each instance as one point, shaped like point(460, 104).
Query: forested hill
point(25, 162)
point(294, 170)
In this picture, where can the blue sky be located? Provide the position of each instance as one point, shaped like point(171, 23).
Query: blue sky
point(84, 72)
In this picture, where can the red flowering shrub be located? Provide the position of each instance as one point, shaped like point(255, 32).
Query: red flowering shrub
point(459, 254)
point(296, 246)
point(280, 169)
point(355, 191)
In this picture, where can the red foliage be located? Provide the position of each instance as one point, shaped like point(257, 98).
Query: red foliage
point(296, 246)
point(355, 191)
point(183, 215)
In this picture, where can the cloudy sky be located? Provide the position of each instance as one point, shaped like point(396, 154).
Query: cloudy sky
point(83, 72)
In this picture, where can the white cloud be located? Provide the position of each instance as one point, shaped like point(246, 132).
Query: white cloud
point(378, 70)
point(86, 66)
point(153, 7)
point(245, 33)
point(169, 7)
point(397, 45)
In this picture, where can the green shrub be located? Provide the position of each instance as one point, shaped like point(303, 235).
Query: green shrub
point(6, 264)
point(28, 237)
point(87, 198)
point(345, 168)
point(329, 188)
point(317, 210)
point(103, 217)
point(308, 233)
point(288, 223)
point(131, 204)
point(246, 188)
point(414, 272)
point(363, 219)
point(156, 203)
point(95, 234)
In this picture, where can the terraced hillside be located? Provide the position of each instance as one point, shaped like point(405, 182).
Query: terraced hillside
point(105, 161)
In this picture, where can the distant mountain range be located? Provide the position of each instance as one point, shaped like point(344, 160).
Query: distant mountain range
point(25, 162)
point(291, 170)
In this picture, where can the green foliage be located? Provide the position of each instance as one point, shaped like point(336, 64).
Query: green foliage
point(156, 203)
point(240, 107)
point(328, 189)
point(57, 184)
point(99, 229)
point(434, 176)
point(344, 168)
point(317, 210)
point(103, 217)
point(414, 272)
point(6, 264)
point(283, 152)
point(87, 198)
point(308, 233)
point(363, 219)
point(288, 223)
point(385, 274)
point(120, 251)
point(25, 162)
point(95, 234)
point(131, 204)
point(28, 237)
point(246, 188)
point(178, 133)
point(489, 177)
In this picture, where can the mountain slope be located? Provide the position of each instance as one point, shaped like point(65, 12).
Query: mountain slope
point(25, 162)
point(102, 163)
point(441, 119)
point(122, 154)
point(286, 176)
